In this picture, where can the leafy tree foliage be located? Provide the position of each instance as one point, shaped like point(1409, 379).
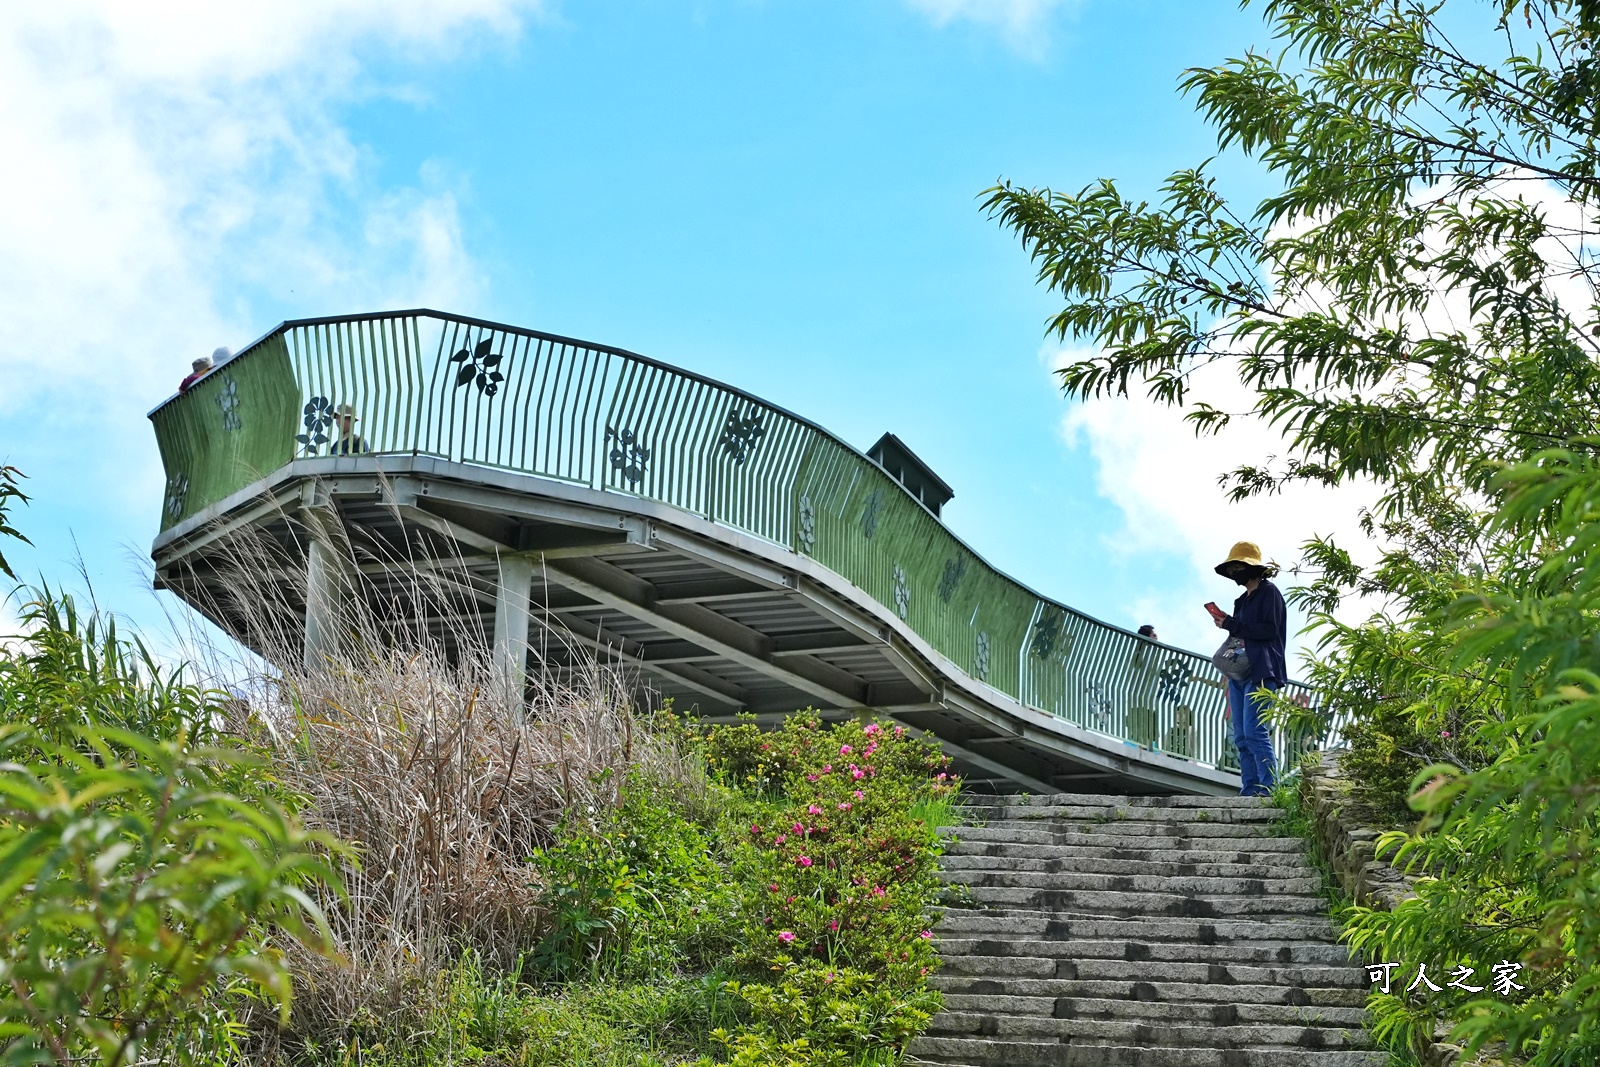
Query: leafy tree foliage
point(143, 872)
point(1416, 305)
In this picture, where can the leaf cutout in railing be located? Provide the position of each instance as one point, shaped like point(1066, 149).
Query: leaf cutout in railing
point(477, 366)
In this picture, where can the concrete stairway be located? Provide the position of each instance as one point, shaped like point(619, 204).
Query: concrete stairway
point(1140, 932)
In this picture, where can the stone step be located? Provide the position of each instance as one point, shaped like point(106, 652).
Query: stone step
point(1247, 831)
point(1044, 925)
point(1141, 868)
point(1315, 953)
point(1119, 813)
point(1152, 837)
point(1341, 976)
point(1049, 853)
point(1139, 932)
point(1197, 885)
point(1081, 1031)
point(1172, 905)
point(1147, 990)
point(1176, 1013)
point(979, 1052)
point(1021, 800)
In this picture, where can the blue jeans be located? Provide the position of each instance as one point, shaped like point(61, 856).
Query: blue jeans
point(1251, 737)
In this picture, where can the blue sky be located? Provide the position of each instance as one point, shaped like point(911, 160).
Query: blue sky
point(782, 195)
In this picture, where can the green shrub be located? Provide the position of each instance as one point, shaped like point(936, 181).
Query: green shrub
point(633, 891)
point(1511, 848)
point(138, 889)
point(802, 899)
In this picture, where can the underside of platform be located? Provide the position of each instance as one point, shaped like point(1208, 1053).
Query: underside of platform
point(716, 621)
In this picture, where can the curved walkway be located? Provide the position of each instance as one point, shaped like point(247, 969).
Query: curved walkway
point(736, 557)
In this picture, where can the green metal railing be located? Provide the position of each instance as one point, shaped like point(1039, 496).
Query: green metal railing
point(477, 392)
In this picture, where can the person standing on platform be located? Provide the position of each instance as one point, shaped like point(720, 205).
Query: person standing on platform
point(350, 442)
point(1261, 620)
point(197, 370)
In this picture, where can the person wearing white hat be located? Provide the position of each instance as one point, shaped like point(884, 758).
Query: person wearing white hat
point(349, 442)
point(1261, 620)
point(202, 367)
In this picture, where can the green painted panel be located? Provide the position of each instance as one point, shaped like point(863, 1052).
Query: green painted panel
point(234, 426)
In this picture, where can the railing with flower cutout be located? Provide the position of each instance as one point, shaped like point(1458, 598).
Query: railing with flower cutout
point(475, 392)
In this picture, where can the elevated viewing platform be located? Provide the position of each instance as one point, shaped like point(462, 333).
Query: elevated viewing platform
point(727, 554)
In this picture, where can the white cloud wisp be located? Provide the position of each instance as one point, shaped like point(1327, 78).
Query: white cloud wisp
point(1021, 22)
point(177, 163)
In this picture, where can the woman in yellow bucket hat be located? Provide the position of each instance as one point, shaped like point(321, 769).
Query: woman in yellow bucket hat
point(1261, 620)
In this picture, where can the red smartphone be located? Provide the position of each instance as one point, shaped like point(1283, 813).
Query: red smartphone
point(1216, 612)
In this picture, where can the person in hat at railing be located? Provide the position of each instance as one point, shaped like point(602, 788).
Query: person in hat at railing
point(202, 367)
point(1261, 620)
point(349, 442)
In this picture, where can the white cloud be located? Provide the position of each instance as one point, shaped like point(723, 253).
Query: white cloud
point(170, 162)
point(1022, 22)
point(1163, 481)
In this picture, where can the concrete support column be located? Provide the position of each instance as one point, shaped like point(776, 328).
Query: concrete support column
point(511, 618)
point(326, 581)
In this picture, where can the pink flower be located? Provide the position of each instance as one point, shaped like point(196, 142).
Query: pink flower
point(804, 861)
point(785, 936)
point(780, 839)
point(1444, 733)
point(814, 810)
point(834, 925)
point(899, 731)
point(754, 828)
point(860, 795)
point(871, 729)
point(844, 750)
point(798, 828)
point(773, 887)
point(926, 935)
point(811, 777)
point(827, 768)
point(857, 773)
point(941, 776)
point(877, 891)
point(845, 806)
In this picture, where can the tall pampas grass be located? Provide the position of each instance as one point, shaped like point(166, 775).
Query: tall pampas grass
point(404, 742)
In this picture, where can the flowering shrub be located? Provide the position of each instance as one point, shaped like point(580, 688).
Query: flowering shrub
point(777, 917)
point(839, 867)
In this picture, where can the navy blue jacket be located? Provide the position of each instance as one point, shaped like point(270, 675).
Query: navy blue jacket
point(1263, 621)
